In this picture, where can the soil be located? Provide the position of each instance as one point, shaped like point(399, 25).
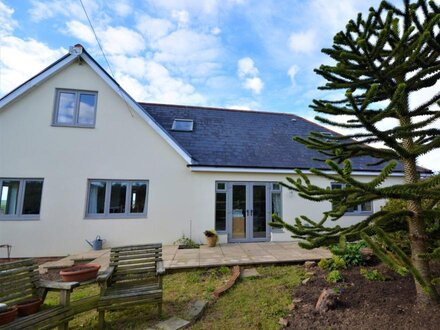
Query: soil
point(363, 304)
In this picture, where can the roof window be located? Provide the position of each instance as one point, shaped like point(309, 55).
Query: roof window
point(183, 125)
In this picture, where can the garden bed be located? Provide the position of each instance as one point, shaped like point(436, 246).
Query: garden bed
point(364, 304)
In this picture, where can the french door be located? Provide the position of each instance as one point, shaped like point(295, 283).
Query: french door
point(249, 212)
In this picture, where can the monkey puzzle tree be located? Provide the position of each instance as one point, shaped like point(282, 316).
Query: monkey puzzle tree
point(380, 61)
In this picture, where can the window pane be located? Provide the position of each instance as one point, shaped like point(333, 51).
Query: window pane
point(9, 197)
point(66, 108)
point(117, 197)
point(182, 125)
point(32, 197)
point(276, 203)
point(276, 186)
point(96, 197)
point(366, 207)
point(87, 103)
point(220, 211)
point(138, 196)
point(221, 186)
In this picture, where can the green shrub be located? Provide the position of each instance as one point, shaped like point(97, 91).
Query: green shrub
point(334, 276)
point(373, 275)
point(337, 263)
point(186, 241)
point(350, 253)
point(324, 264)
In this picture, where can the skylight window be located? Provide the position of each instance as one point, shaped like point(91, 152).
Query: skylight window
point(183, 125)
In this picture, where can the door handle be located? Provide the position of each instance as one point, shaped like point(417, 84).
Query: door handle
point(252, 213)
point(247, 212)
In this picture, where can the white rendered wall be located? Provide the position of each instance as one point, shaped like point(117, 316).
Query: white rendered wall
point(121, 146)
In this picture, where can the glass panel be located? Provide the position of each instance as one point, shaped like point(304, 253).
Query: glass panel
point(66, 108)
point(259, 211)
point(366, 207)
point(117, 197)
point(32, 197)
point(220, 211)
point(221, 186)
point(96, 197)
point(182, 125)
point(87, 104)
point(138, 196)
point(9, 197)
point(276, 203)
point(276, 186)
point(238, 212)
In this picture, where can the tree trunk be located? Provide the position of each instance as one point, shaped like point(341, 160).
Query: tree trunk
point(426, 291)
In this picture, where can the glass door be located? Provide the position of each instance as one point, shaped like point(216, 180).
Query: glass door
point(249, 212)
point(239, 210)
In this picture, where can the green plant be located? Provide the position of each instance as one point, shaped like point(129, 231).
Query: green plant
point(324, 264)
point(224, 270)
point(210, 233)
point(334, 276)
point(350, 253)
point(372, 275)
point(337, 263)
point(187, 242)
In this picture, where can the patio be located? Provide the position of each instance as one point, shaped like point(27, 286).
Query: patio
point(221, 255)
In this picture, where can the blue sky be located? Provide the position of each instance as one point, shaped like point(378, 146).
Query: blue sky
point(240, 54)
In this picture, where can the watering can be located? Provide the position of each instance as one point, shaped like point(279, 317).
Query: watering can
point(96, 244)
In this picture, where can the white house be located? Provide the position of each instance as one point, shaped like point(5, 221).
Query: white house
point(80, 158)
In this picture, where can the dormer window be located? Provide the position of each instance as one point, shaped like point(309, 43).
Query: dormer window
point(75, 108)
point(183, 125)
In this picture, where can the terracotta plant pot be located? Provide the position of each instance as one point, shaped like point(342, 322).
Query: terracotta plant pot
point(30, 306)
point(80, 273)
point(8, 316)
point(212, 240)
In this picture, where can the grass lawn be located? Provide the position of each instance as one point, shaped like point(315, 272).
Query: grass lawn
point(254, 303)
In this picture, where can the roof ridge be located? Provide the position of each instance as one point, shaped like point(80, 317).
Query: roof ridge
point(221, 109)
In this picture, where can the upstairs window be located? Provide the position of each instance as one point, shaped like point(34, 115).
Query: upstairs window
point(183, 125)
point(75, 108)
point(20, 198)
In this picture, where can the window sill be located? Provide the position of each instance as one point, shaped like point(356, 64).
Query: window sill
point(351, 214)
point(119, 217)
point(72, 126)
point(37, 218)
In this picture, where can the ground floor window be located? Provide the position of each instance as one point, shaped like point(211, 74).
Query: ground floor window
point(20, 198)
point(220, 206)
point(117, 198)
point(363, 208)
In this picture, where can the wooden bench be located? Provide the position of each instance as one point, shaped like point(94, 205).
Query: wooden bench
point(133, 278)
point(20, 281)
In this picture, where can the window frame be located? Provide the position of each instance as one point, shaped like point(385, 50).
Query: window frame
point(221, 191)
point(78, 93)
point(173, 127)
point(280, 192)
point(358, 208)
point(107, 199)
point(19, 216)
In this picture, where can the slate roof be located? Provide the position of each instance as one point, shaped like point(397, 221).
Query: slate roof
point(246, 139)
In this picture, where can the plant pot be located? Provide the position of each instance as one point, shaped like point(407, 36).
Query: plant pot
point(30, 306)
point(80, 273)
point(212, 240)
point(8, 316)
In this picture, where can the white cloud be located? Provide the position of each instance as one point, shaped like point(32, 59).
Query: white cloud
point(246, 67)
point(216, 31)
point(7, 23)
point(121, 40)
point(81, 31)
point(181, 16)
point(22, 59)
point(292, 72)
point(248, 72)
point(43, 10)
point(254, 84)
point(121, 7)
point(303, 42)
point(153, 28)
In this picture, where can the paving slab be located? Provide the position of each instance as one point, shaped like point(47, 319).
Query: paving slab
point(173, 323)
point(196, 309)
point(249, 272)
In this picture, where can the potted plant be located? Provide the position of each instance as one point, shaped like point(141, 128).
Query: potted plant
point(211, 237)
point(30, 306)
point(80, 273)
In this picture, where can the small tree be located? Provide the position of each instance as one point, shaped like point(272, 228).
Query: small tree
point(381, 60)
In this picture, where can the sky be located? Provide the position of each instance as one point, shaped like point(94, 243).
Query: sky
point(241, 54)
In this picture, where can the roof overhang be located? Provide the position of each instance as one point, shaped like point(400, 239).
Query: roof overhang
point(280, 171)
point(74, 54)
